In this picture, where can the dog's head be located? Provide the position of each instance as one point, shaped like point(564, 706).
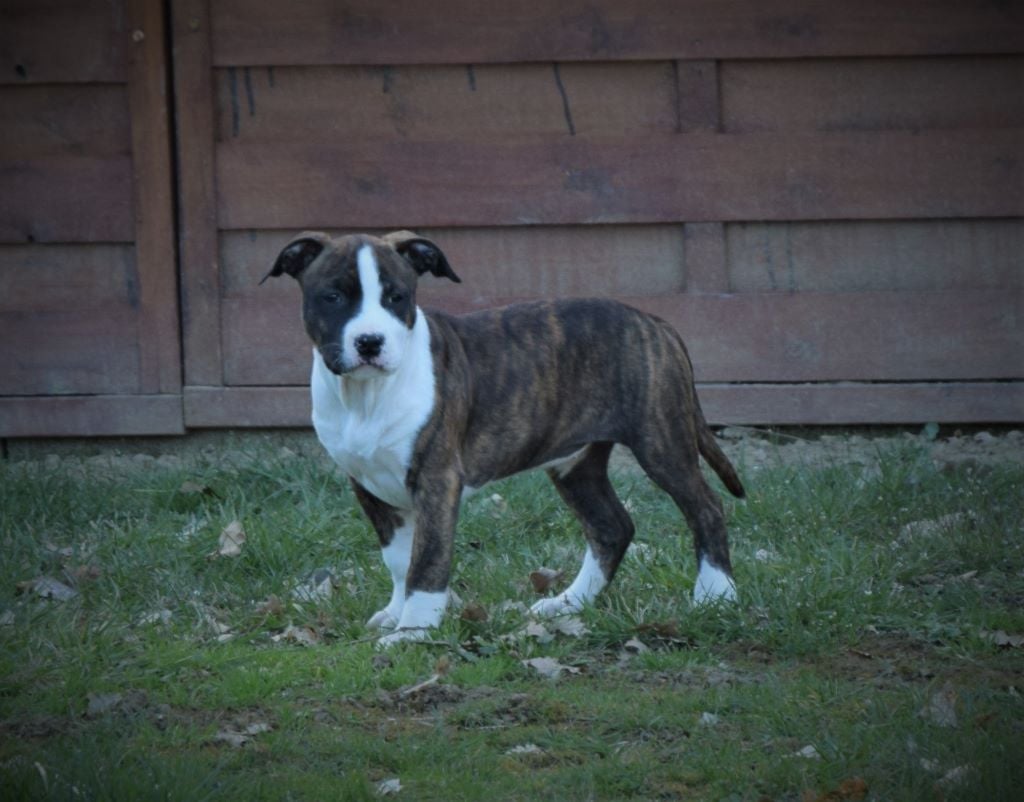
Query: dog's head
point(359, 295)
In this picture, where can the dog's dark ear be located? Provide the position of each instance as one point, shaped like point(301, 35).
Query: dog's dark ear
point(422, 254)
point(298, 254)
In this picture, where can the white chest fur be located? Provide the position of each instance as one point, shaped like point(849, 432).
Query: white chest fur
point(369, 425)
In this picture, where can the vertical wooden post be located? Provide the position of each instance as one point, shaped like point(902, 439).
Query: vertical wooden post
point(197, 217)
point(159, 346)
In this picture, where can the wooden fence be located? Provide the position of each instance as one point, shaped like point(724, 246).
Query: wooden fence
point(826, 200)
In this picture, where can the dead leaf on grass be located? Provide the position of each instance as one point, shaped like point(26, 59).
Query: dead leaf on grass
point(941, 708)
point(570, 625)
point(304, 636)
point(194, 526)
point(474, 611)
point(239, 738)
point(1003, 639)
point(953, 777)
point(809, 752)
point(855, 788)
point(544, 578)
point(7, 618)
point(231, 540)
point(389, 787)
point(190, 488)
point(525, 749)
point(272, 606)
point(156, 617)
point(48, 588)
point(549, 667)
point(318, 587)
point(634, 646)
point(100, 703)
point(931, 527)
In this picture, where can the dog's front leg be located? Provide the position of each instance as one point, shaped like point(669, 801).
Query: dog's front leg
point(395, 531)
point(435, 512)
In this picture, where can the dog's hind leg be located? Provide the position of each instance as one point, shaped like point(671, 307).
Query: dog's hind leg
point(606, 524)
point(676, 470)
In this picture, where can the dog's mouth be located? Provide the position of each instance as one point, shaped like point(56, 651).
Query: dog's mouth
point(336, 364)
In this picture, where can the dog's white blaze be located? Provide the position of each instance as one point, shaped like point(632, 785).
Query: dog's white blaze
point(713, 584)
point(396, 557)
point(374, 319)
point(584, 589)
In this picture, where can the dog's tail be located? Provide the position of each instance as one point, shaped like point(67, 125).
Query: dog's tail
point(712, 452)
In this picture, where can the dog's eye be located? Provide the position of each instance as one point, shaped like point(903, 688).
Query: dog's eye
point(395, 297)
point(331, 297)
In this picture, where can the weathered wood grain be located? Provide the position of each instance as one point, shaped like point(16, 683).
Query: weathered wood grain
point(197, 211)
point(261, 32)
point(69, 351)
point(158, 333)
point(873, 94)
point(850, 256)
point(89, 118)
point(430, 102)
point(774, 337)
point(91, 416)
point(62, 41)
point(66, 198)
point(693, 177)
point(750, 404)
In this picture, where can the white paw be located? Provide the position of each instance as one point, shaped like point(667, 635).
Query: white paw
point(713, 585)
point(382, 619)
point(400, 636)
point(554, 607)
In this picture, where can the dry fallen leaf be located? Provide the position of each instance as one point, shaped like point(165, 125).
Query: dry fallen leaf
point(232, 538)
point(48, 588)
point(941, 708)
point(100, 703)
point(389, 787)
point(1001, 638)
point(808, 753)
point(549, 667)
point(156, 617)
point(525, 749)
point(708, 719)
point(304, 636)
point(570, 625)
point(238, 738)
point(634, 646)
point(543, 578)
point(318, 587)
point(930, 528)
point(474, 611)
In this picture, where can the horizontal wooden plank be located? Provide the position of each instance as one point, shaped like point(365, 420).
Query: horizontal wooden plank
point(693, 177)
point(67, 198)
point(261, 32)
point(515, 261)
point(69, 352)
point(863, 404)
point(229, 407)
point(63, 277)
point(330, 104)
point(91, 416)
point(849, 256)
point(750, 404)
point(90, 118)
point(63, 41)
point(870, 94)
point(774, 337)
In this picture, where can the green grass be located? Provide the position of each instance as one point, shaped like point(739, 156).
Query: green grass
point(849, 624)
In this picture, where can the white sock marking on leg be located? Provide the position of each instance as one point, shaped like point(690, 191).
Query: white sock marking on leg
point(713, 584)
point(422, 611)
point(396, 557)
point(584, 588)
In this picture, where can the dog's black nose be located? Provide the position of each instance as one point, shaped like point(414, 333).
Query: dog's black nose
point(369, 345)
